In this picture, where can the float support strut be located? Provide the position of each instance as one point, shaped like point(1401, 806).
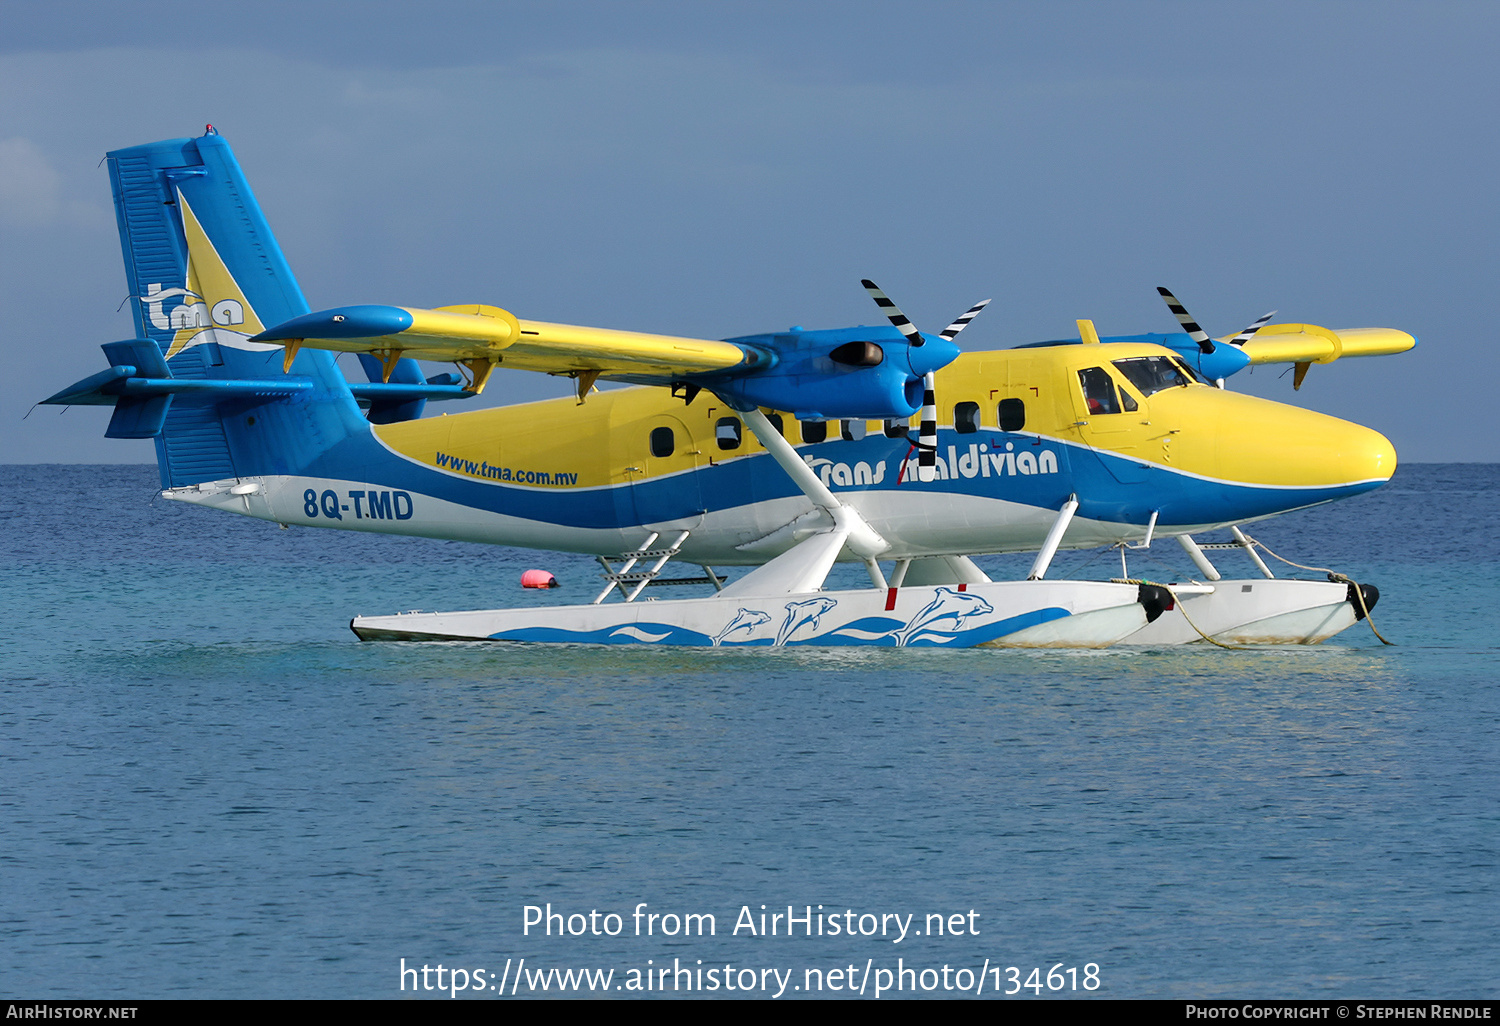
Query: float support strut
point(1196, 555)
point(1054, 538)
point(1249, 546)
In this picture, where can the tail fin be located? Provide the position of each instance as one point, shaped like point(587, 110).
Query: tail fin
point(205, 274)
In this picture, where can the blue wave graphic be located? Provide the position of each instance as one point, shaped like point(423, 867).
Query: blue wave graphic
point(870, 631)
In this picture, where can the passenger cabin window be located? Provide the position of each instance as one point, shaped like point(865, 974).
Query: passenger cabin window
point(966, 418)
point(728, 432)
point(896, 429)
point(1012, 414)
point(1151, 374)
point(851, 430)
point(1098, 391)
point(814, 431)
point(663, 442)
point(775, 419)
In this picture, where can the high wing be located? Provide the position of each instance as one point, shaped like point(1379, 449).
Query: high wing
point(1260, 343)
point(479, 337)
point(1306, 344)
point(1302, 343)
point(862, 372)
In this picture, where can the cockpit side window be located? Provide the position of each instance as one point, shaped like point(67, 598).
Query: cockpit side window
point(1151, 374)
point(1098, 391)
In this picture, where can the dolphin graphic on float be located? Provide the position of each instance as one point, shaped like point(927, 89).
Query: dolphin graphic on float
point(946, 605)
point(803, 614)
point(745, 620)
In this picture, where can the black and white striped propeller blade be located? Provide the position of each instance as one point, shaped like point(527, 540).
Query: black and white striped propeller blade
point(927, 432)
point(1244, 336)
point(952, 330)
point(893, 312)
point(1197, 334)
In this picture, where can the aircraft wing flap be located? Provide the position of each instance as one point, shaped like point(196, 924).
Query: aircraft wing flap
point(1309, 343)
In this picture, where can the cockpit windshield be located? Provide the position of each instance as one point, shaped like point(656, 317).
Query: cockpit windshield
point(1151, 374)
point(1191, 371)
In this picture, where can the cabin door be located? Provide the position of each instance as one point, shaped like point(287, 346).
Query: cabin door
point(661, 468)
point(1109, 422)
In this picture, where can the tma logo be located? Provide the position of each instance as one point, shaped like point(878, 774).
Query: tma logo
point(191, 312)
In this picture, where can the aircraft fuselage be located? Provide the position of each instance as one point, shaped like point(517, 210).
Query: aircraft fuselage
point(1021, 430)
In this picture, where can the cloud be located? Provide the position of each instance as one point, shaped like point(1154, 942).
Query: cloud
point(30, 189)
point(629, 179)
point(32, 192)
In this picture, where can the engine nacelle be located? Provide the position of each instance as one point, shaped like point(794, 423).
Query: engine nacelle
point(861, 373)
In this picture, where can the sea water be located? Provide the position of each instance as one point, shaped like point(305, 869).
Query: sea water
point(210, 788)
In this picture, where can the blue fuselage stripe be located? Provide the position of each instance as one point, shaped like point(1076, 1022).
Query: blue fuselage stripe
point(1177, 498)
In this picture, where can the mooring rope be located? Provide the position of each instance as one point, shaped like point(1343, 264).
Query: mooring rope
point(1336, 578)
point(1179, 604)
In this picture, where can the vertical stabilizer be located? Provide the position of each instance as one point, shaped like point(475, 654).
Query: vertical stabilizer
point(205, 274)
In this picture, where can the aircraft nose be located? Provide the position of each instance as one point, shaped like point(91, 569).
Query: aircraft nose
point(1351, 459)
point(1371, 455)
point(1292, 447)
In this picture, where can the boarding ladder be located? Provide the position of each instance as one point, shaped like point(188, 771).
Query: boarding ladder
point(627, 575)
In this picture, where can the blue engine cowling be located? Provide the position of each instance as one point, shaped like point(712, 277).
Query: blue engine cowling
point(861, 373)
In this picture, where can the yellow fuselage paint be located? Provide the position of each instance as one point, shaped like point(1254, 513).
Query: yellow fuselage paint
point(1195, 429)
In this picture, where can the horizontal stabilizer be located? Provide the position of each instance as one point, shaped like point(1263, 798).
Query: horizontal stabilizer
point(142, 390)
point(94, 390)
point(378, 391)
point(122, 381)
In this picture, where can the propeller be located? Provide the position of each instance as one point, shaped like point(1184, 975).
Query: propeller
point(1206, 345)
point(1197, 334)
point(927, 432)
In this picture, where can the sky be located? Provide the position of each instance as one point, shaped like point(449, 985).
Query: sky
point(726, 168)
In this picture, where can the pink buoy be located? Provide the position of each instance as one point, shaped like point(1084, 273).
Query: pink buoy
point(538, 579)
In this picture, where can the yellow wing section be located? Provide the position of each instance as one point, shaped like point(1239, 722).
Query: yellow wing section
point(1309, 343)
point(480, 337)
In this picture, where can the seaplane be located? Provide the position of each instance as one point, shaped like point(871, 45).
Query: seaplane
point(782, 453)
